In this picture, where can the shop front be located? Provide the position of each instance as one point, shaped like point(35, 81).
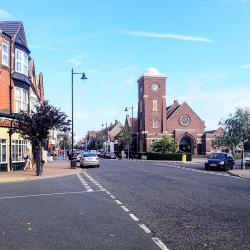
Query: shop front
point(12, 146)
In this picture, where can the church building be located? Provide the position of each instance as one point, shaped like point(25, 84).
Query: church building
point(155, 120)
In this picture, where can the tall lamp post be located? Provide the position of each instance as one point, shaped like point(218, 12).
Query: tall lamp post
point(126, 110)
point(83, 77)
point(107, 136)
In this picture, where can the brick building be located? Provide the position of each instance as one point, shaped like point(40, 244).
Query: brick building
point(178, 121)
point(20, 89)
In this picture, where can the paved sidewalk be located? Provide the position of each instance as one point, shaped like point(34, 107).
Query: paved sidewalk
point(241, 173)
point(51, 169)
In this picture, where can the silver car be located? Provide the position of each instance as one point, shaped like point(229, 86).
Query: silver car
point(89, 159)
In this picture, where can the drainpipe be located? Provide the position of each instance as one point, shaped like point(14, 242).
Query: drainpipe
point(9, 168)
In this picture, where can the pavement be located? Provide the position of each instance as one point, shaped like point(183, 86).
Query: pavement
point(56, 168)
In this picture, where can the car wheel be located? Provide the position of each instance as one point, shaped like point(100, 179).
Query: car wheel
point(97, 166)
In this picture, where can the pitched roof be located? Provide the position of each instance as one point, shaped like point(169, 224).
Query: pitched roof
point(171, 109)
point(15, 30)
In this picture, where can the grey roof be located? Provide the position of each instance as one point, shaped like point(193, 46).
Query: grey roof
point(15, 30)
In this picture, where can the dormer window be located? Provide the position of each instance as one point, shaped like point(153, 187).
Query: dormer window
point(5, 54)
point(21, 62)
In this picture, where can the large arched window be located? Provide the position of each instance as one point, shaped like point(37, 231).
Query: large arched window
point(155, 122)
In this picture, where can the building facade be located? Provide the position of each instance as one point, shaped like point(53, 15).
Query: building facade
point(155, 120)
point(20, 89)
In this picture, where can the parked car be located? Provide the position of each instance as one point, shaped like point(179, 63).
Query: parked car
point(220, 160)
point(110, 155)
point(247, 161)
point(89, 159)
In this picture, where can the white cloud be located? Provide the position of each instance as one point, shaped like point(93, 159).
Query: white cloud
point(168, 36)
point(41, 47)
point(5, 15)
point(246, 66)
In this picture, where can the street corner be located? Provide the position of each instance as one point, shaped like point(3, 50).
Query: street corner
point(242, 173)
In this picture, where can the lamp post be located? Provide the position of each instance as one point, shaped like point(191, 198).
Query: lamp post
point(83, 77)
point(107, 136)
point(126, 110)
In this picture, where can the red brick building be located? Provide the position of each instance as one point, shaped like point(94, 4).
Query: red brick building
point(178, 121)
point(20, 89)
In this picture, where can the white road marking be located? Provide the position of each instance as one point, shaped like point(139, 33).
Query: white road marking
point(145, 228)
point(159, 243)
point(194, 170)
point(84, 183)
point(118, 202)
point(46, 194)
point(133, 217)
point(125, 208)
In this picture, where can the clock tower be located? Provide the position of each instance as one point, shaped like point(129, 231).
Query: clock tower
point(151, 108)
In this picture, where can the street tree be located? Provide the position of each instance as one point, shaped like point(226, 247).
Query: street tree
point(36, 126)
point(237, 129)
point(64, 139)
point(165, 145)
point(125, 138)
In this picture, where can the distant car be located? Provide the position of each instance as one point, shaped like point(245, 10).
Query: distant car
point(89, 159)
point(220, 160)
point(110, 155)
point(247, 161)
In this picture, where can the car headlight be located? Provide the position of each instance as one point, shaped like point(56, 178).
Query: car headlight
point(221, 162)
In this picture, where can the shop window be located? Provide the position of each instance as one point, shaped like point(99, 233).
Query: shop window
point(3, 153)
point(19, 148)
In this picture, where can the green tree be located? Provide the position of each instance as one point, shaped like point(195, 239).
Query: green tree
point(36, 126)
point(64, 139)
point(125, 138)
point(165, 145)
point(237, 129)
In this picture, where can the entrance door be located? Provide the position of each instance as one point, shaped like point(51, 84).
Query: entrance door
point(185, 145)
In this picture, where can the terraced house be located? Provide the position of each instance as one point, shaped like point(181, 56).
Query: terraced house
point(20, 89)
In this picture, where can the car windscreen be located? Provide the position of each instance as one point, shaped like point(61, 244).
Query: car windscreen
point(218, 156)
point(89, 155)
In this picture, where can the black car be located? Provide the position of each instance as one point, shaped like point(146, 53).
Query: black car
point(220, 160)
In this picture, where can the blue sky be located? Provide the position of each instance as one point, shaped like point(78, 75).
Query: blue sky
point(202, 46)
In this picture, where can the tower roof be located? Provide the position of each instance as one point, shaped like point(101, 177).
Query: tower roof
point(152, 72)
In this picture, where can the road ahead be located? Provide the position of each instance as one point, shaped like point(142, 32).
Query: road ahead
point(128, 205)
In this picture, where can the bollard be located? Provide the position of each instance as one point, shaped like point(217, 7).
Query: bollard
point(184, 158)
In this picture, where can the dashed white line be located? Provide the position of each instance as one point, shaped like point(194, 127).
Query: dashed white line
point(133, 217)
point(159, 243)
point(145, 228)
point(112, 196)
point(125, 208)
point(118, 202)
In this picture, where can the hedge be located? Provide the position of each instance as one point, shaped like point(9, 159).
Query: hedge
point(160, 156)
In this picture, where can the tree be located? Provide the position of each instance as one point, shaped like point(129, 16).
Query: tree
point(125, 138)
point(64, 140)
point(165, 145)
point(36, 126)
point(237, 129)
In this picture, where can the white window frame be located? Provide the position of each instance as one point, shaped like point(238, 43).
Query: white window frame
point(3, 143)
point(19, 148)
point(155, 105)
point(23, 101)
point(155, 122)
point(6, 55)
point(22, 61)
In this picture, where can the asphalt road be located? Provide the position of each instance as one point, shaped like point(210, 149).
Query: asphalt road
point(182, 204)
point(128, 205)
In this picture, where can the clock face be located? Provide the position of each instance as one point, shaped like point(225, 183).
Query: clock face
point(155, 86)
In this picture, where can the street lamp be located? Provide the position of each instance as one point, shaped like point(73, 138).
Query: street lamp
point(126, 110)
point(107, 136)
point(83, 77)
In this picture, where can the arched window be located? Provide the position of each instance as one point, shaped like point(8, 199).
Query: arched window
point(155, 123)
